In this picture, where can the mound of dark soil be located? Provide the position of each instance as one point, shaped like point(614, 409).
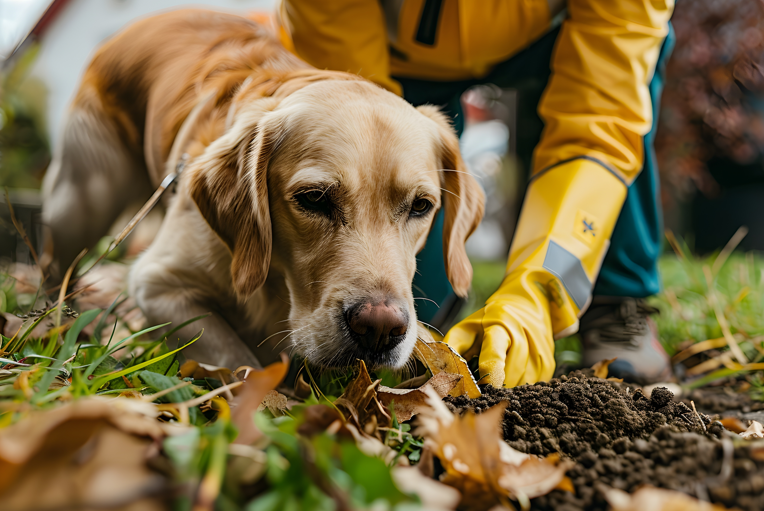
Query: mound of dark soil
point(620, 438)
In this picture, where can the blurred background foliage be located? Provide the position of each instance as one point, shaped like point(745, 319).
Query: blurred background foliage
point(713, 102)
point(24, 151)
point(710, 141)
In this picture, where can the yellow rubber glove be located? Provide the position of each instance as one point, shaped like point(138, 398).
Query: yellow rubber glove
point(562, 236)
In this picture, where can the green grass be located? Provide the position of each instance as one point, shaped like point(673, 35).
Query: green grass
point(687, 315)
point(685, 303)
point(298, 472)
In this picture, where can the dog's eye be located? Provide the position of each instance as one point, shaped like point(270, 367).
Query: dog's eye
point(420, 207)
point(314, 200)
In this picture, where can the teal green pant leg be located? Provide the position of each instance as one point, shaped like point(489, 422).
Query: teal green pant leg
point(630, 267)
point(431, 286)
point(434, 298)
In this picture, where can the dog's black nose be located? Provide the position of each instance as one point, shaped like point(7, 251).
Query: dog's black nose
point(377, 327)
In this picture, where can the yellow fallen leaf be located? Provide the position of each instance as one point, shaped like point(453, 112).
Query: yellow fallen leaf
point(600, 368)
point(439, 357)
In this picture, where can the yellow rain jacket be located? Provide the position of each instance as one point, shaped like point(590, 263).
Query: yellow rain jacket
point(596, 109)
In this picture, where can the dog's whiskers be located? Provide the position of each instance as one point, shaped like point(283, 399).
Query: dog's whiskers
point(452, 193)
point(458, 172)
point(287, 335)
point(429, 325)
point(429, 300)
point(272, 335)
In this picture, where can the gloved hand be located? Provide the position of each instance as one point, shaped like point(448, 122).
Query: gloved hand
point(561, 238)
point(512, 334)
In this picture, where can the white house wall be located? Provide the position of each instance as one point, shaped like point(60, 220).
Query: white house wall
point(82, 25)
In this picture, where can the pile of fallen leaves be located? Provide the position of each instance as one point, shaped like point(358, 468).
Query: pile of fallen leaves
point(88, 421)
point(97, 412)
point(93, 423)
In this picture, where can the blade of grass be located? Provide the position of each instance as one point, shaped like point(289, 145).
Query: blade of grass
point(102, 322)
point(700, 347)
point(27, 332)
point(66, 351)
point(185, 323)
point(119, 391)
point(728, 249)
point(723, 324)
point(674, 244)
point(100, 382)
point(157, 395)
point(712, 377)
point(93, 365)
point(209, 395)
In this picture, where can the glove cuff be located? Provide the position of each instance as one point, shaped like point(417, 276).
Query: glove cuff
point(562, 236)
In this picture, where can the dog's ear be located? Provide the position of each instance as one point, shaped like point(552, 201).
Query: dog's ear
point(463, 201)
point(229, 185)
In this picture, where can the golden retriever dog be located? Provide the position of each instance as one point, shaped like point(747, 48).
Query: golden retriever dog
point(306, 196)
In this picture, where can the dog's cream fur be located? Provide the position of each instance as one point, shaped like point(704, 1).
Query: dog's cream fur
point(237, 241)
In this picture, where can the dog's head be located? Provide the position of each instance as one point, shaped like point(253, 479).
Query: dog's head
point(336, 187)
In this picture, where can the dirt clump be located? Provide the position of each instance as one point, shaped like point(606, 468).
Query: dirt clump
point(622, 439)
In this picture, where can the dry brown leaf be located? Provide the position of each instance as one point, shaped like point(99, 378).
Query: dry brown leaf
point(433, 495)
point(408, 402)
point(275, 402)
point(755, 430)
point(534, 477)
point(734, 424)
point(320, 418)
point(654, 499)
point(89, 454)
point(476, 460)
point(198, 371)
point(256, 386)
point(600, 368)
point(302, 388)
point(360, 405)
point(439, 357)
point(698, 347)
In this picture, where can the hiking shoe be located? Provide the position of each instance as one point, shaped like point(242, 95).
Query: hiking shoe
point(621, 328)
